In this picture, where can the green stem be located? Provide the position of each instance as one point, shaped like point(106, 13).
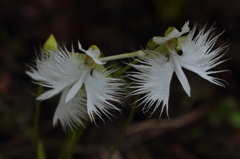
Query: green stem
point(72, 140)
point(122, 71)
point(124, 134)
point(123, 56)
point(36, 123)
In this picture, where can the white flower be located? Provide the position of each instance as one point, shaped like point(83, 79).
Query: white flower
point(71, 74)
point(156, 69)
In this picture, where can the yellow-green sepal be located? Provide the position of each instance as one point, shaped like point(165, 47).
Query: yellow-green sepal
point(151, 45)
point(50, 44)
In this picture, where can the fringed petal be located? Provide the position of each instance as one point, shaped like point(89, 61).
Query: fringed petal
point(198, 55)
point(73, 113)
point(153, 79)
point(100, 91)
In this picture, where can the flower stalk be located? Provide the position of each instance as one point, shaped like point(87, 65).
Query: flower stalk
point(123, 56)
point(124, 133)
point(36, 125)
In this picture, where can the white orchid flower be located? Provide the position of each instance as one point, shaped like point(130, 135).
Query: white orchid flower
point(86, 88)
point(157, 68)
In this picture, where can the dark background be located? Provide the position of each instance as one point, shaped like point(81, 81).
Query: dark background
point(118, 26)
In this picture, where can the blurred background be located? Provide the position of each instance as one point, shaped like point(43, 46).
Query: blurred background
point(207, 125)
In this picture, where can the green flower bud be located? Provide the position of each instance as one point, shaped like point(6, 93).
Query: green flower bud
point(50, 44)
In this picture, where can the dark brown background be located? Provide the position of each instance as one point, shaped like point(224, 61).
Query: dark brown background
point(118, 26)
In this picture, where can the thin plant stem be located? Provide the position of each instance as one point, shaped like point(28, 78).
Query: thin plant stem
point(123, 56)
point(122, 71)
point(72, 140)
point(124, 134)
point(36, 123)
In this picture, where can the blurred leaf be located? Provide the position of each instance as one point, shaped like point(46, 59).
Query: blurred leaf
point(227, 109)
point(234, 118)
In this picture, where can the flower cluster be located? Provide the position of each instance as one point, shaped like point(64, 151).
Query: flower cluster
point(87, 87)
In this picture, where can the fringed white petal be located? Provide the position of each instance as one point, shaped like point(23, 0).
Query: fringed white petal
point(198, 55)
point(100, 91)
point(57, 70)
point(73, 113)
point(153, 79)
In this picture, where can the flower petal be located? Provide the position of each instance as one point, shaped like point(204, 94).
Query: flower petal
point(72, 113)
point(179, 72)
point(50, 93)
point(198, 55)
point(94, 54)
point(100, 91)
point(56, 70)
point(80, 47)
point(75, 88)
point(153, 80)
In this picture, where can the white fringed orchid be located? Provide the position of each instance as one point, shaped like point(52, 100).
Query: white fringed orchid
point(85, 84)
point(170, 54)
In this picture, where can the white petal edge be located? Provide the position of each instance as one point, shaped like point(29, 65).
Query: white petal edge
point(75, 88)
point(73, 113)
point(153, 80)
point(179, 72)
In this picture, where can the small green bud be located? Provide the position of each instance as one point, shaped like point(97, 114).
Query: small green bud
point(50, 44)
